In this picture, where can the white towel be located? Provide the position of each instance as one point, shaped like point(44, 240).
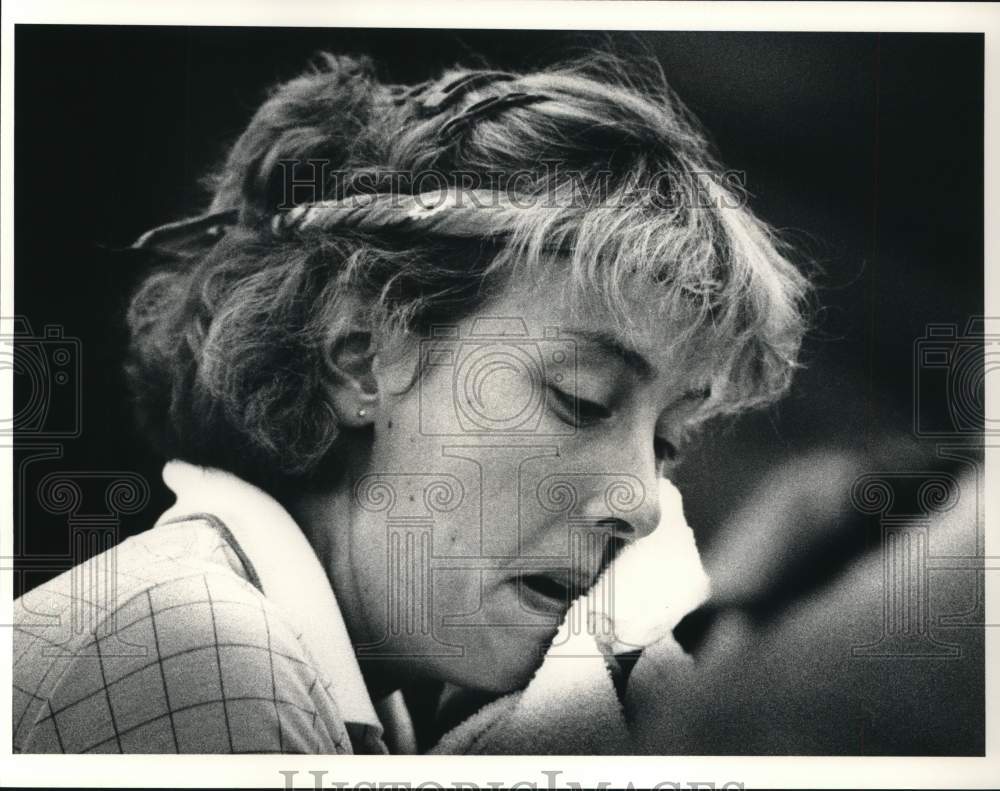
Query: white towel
point(570, 706)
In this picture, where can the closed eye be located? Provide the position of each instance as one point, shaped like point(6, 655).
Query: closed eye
point(578, 411)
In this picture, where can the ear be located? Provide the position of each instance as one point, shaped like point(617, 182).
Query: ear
point(353, 388)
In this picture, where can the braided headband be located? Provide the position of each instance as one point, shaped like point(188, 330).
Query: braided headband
point(451, 212)
point(188, 236)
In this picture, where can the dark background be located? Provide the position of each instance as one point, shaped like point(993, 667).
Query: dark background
point(866, 149)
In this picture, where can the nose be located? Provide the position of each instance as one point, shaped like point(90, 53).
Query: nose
point(627, 505)
point(644, 518)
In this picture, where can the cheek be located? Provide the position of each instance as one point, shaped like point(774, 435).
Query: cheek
point(481, 389)
point(479, 500)
point(484, 499)
point(466, 485)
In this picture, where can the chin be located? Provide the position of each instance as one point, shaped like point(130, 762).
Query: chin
point(508, 661)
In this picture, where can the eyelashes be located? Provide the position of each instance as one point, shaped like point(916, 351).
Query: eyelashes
point(578, 411)
point(581, 412)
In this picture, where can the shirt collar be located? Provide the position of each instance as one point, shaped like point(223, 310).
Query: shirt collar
point(289, 571)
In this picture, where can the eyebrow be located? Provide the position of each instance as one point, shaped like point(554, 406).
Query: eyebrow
point(612, 345)
point(634, 359)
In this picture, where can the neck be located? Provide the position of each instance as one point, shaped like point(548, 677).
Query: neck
point(326, 519)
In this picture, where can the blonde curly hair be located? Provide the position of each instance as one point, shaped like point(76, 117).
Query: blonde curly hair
point(231, 340)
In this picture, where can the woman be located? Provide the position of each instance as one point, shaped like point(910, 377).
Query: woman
point(419, 369)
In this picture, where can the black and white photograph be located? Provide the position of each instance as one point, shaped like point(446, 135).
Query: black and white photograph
point(454, 390)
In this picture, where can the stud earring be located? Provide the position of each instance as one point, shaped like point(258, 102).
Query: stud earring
point(362, 412)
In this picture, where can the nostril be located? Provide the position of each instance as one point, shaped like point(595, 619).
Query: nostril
point(618, 528)
point(612, 548)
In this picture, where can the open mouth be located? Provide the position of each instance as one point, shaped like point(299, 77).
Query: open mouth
point(546, 586)
point(550, 592)
point(555, 589)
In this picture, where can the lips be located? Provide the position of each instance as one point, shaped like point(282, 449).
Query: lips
point(551, 590)
point(554, 589)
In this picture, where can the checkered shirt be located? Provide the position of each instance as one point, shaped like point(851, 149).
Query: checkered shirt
point(192, 638)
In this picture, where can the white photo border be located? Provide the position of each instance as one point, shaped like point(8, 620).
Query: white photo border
point(494, 772)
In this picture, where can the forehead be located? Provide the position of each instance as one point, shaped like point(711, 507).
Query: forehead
point(542, 305)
